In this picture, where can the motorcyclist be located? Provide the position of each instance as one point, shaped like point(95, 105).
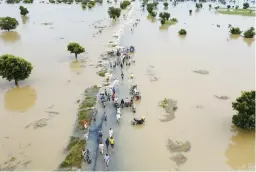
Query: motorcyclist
point(127, 101)
point(116, 100)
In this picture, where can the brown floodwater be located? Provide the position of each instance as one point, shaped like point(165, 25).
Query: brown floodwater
point(58, 81)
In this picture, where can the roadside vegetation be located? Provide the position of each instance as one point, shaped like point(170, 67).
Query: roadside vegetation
point(74, 159)
point(245, 106)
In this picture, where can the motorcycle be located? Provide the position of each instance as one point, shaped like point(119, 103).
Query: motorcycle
point(105, 116)
point(138, 121)
point(87, 157)
point(118, 116)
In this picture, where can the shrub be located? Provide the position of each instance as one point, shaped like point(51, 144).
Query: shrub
point(182, 32)
point(124, 4)
point(235, 30)
point(246, 5)
point(249, 33)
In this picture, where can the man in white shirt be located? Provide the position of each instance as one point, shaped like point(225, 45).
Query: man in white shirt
point(106, 159)
point(110, 132)
point(101, 147)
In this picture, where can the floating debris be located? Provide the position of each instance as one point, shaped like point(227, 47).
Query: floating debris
point(203, 72)
point(170, 107)
point(222, 97)
point(46, 24)
point(178, 146)
point(52, 112)
point(39, 123)
point(199, 107)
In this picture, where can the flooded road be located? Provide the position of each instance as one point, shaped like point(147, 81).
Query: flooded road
point(58, 81)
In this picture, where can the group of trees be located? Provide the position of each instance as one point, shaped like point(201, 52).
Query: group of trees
point(250, 33)
point(14, 68)
point(124, 4)
point(151, 7)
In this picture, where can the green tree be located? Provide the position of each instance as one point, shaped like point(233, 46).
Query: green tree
point(75, 48)
point(166, 4)
point(228, 6)
point(124, 4)
point(249, 33)
point(199, 5)
point(150, 7)
point(235, 30)
point(164, 16)
point(245, 106)
point(153, 14)
point(14, 68)
point(8, 23)
point(114, 12)
point(182, 32)
point(23, 11)
point(246, 5)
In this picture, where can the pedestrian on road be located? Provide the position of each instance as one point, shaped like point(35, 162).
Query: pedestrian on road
point(100, 134)
point(122, 75)
point(113, 96)
point(114, 90)
point(110, 132)
point(107, 143)
point(106, 93)
point(101, 147)
point(121, 65)
point(112, 142)
point(108, 97)
point(106, 159)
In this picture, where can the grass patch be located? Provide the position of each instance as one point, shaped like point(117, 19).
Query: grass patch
point(74, 158)
point(164, 103)
point(102, 73)
point(243, 12)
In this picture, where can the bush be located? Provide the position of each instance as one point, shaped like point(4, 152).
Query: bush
point(182, 32)
point(8, 23)
point(249, 33)
point(124, 4)
point(246, 5)
point(14, 68)
point(114, 12)
point(245, 105)
point(235, 31)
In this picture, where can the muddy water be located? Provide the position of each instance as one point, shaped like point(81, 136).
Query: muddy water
point(201, 118)
point(55, 84)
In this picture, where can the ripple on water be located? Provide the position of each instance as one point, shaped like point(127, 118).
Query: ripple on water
point(20, 98)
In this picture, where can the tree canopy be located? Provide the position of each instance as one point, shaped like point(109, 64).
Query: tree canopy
point(249, 33)
point(164, 16)
point(23, 11)
point(245, 105)
point(114, 12)
point(14, 68)
point(75, 48)
point(182, 32)
point(8, 23)
point(124, 4)
point(246, 5)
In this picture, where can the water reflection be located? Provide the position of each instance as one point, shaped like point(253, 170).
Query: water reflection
point(20, 98)
point(10, 37)
point(24, 19)
point(77, 65)
point(248, 41)
point(240, 152)
point(232, 36)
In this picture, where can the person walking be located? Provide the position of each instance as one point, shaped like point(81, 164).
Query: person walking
point(106, 159)
point(107, 143)
point(101, 147)
point(110, 132)
point(106, 93)
point(108, 97)
point(112, 142)
point(122, 75)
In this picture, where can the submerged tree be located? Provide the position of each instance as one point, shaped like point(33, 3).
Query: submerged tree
point(75, 48)
point(8, 23)
point(14, 68)
point(114, 12)
point(124, 4)
point(150, 7)
point(228, 6)
point(23, 11)
point(190, 12)
point(164, 16)
point(235, 30)
point(199, 5)
point(246, 5)
point(166, 4)
point(249, 33)
point(182, 32)
point(245, 105)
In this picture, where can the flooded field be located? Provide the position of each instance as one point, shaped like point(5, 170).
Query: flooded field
point(165, 68)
